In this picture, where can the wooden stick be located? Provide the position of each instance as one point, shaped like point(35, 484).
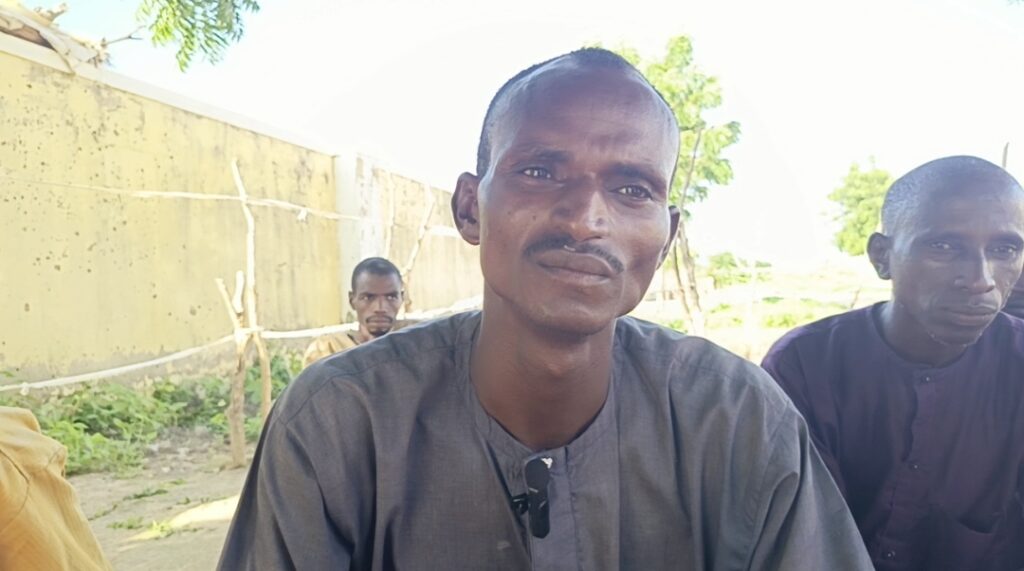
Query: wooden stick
point(236, 406)
point(251, 316)
point(265, 390)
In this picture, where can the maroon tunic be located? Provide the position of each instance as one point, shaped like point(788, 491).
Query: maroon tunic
point(930, 460)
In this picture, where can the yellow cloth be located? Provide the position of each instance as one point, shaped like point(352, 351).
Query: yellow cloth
point(329, 344)
point(41, 525)
point(332, 343)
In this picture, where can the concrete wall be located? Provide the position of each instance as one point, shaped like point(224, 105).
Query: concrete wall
point(91, 279)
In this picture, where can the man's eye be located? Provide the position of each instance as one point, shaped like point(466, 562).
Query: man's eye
point(536, 172)
point(942, 246)
point(1006, 250)
point(634, 192)
point(393, 296)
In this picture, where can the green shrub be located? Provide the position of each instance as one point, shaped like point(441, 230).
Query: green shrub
point(105, 427)
point(196, 402)
point(117, 411)
point(93, 452)
point(282, 370)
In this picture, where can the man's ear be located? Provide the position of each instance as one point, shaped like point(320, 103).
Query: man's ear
point(879, 248)
point(674, 217)
point(352, 299)
point(466, 207)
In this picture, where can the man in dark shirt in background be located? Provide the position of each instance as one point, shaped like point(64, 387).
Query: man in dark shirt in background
point(1015, 305)
point(917, 404)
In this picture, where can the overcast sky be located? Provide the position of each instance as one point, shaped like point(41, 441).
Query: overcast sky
point(815, 84)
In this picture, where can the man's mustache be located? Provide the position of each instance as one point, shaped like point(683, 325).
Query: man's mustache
point(560, 242)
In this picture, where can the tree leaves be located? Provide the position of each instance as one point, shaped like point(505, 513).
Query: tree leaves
point(860, 204)
point(690, 93)
point(203, 27)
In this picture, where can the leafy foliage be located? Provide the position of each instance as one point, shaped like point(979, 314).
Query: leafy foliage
point(204, 27)
point(691, 93)
point(860, 204)
point(106, 427)
point(92, 452)
point(700, 164)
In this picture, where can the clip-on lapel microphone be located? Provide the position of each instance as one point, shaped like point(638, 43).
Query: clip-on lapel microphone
point(538, 474)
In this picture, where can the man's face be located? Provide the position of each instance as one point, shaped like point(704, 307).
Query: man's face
point(376, 300)
point(572, 216)
point(1015, 305)
point(954, 266)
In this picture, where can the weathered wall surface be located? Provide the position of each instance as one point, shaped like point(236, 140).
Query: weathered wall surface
point(443, 268)
point(91, 278)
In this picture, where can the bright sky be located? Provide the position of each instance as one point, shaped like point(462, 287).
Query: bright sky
point(815, 84)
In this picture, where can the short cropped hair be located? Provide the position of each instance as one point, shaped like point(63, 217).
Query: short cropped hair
point(593, 58)
point(375, 266)
point(908, 192)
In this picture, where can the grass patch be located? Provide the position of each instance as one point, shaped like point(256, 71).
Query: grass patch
point(147, 493)
point(130, 523)
point(106, 427)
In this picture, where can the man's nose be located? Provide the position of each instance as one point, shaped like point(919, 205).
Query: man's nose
point(977, 276)
point(582, 210)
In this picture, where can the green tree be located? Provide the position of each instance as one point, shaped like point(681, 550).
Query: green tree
point(701, 165)
point(197, 27)
point(860, 204)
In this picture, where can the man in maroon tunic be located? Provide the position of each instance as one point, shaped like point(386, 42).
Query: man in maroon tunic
point(917, 403)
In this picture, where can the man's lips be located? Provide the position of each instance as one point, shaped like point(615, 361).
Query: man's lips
point(581, 263)
point(972, 315)
point(973, 309)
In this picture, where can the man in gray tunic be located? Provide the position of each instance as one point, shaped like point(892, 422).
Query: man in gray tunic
point(546, 431)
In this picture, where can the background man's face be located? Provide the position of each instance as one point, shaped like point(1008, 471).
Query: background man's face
point(376, 300)
point(573, 213)
point(956, 263)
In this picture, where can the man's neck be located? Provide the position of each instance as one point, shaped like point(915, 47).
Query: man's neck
point(362, 335)
point(543, 389)
point(911, 341)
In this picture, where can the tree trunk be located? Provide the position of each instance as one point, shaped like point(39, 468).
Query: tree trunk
point(267, 382)
point(688, 283)
point(680, 285)
point(236, 405)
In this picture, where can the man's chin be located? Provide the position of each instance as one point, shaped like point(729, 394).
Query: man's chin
point(960, 338)
point(377, 331)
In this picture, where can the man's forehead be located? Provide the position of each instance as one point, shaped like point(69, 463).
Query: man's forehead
point(969, 205)
point(564, 84)
point(373, 281)
point(542, 101)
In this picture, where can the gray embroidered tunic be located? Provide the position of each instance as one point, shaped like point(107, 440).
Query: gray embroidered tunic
point(382, 458)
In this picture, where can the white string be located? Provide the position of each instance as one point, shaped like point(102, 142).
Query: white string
point(461, 305)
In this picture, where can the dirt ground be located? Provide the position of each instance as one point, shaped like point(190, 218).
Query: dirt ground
point(173, 514)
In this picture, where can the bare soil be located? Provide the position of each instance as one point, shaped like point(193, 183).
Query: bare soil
point(173, 514)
